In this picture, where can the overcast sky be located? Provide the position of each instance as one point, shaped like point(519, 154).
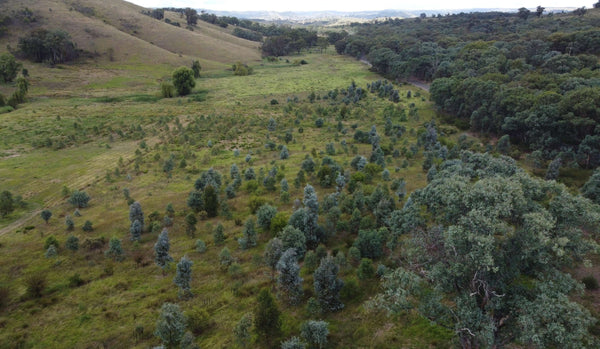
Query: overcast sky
point(349, 5)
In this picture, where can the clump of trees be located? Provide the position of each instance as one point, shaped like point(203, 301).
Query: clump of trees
point(50, 46)
point(487, 247)
point(183, 80)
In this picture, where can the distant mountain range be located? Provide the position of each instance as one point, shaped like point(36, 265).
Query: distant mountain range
point(315, 16)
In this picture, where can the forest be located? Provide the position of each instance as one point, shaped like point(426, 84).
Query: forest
point(530, 75)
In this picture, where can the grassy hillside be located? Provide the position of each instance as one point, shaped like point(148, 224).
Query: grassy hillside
point(118, 30)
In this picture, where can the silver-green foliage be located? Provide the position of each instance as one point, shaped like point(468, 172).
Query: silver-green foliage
point(289, 282)
point(315, 333)
point(493, 250)
point(183, 277)
point(327, 285)
point(161, 250)
point(170, 325)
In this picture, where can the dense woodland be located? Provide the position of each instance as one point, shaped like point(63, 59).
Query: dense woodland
point(357, 215)
point(531, 75)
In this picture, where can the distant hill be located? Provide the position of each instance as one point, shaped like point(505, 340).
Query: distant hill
point(119, 31)
point(305, 17)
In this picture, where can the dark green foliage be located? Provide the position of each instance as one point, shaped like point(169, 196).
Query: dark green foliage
point(87, 226)
point(503, 145)
point(51, 46)
point(365, 269)
point(190, 224)
point(35, 285)
point(161, 250)
point(591, 189)
point(9, 68)
point(311, 261)
point(218, 234)
point(267, 322)
point(248, 238)
point(51, 241)
point(553, 169)
point(369, 243)
point(241, 69)
point(7, 203)
point(211, 201)
point(183, 277)
point(225, 258)
point(79, 199)
point(590, 282)
point(196, 69)
point(247, 34)
point(170, 325)
point(191, 16)
point(75, 280)
point(183, 80)
point(72, 243)
point(115, 251)
point(327, 285)
point(46, 214)
point(167, 90)
point(315, 333)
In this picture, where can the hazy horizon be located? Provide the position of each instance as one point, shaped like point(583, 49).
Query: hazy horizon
point(338, 5)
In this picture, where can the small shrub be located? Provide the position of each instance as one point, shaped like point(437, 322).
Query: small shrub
point(590, 282)
point(35, 285)
point(200, 246)
point(75, 280)
point(51, 240)
point(198, 320)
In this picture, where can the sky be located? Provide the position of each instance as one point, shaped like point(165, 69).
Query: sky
point(349, 5)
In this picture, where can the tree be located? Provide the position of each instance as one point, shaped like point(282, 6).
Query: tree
point(136, 230)
point(315, 333)
point(183, 80)
point(195, 201)
point(503, 145)
point(539, 11)
point(161, 250)
point(264, 215)
point(267, 322)
point(211, 201)
point(327, 285)
point(272, 254)
point(183, 277)
point(225, 258)
point(51, 46)
point(70, 225)
point(289, 282)
point(170, 325)
point(597, 5)
point(79, 199)
point(311, 226)
point(190, 224)
point(554, 169)
point(196, 69)
point(7, 203)
point(115, 251)
point(293, 238)
point(87, 226)
point(46, 214)
point(249, 235)
point(591, 189)
point(51, 252)
point(218, 234)
point(489, 250)
point(72, 243)
point(284, 154)
point(523, 13)
point(9, 68)
point(191, 16)
point(136, 214)
point(241, 331)
point(369, 243)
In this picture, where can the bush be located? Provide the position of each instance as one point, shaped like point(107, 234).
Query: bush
point(183, 80)
point(198, 320)
point(590, 282)
point(51, 240)
point(167, 90)
point(75, 280)
point(35, 285)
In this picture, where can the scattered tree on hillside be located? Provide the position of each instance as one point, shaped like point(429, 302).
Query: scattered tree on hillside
point(272, 254)
point(161, 250)
point(315, 333)
point(183, 80)
point(289, 282)
point(115, 251)
point(591, 189)
point(248, 238)
point(46, 214)
point(241, 331)
point(327, 285)
point(267, 322)
point(9, 67)
point(183, 277)
point(196, 69)
point(170, 325)
point(51, 46)
point(191, 16)
point(79, 199)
